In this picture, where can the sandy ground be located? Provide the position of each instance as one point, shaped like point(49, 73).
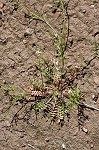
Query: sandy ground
point(16, 66)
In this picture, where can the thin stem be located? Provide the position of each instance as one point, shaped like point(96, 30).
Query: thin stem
point(37, 17)
point(88, 106)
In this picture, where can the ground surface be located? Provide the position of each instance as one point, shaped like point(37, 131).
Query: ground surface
point(16, 65)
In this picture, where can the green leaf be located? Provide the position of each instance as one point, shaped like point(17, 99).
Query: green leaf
point(40, 106)
point(18, 97)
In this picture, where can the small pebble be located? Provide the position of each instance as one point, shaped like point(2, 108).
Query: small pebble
point(84, 11)
point(92, 64)
point(92, 6)
point(47, 140)
point(24, 41)
point(91, 145)
point(28, 31)
point(13, 66)
point(85, 130)
point(1, 5)
point(63, 146)
point(95, 97)
point(4, 82)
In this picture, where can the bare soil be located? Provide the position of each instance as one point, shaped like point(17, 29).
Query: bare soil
point(16, 67)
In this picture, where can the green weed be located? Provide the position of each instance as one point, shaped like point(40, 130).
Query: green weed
point(74, 96)
point(50, 78)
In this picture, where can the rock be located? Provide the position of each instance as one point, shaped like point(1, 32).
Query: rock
point(47, 140)
point(91, 146)
point(4, 82)
point(24, 41)
point(92, 6)
point(84, 11)
point(12, 65)
point(85, 130)
point(28, 31)
point(92, 64)
point(1, 5)
point(94, 97)
point(63, 146)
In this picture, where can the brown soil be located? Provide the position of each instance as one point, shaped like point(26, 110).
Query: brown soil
point(16, 66)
